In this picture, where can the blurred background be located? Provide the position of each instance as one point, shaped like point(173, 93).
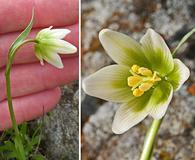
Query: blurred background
point(172, 19)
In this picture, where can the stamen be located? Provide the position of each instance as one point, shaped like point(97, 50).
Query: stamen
point(144, 71)
point(142, 80)
point(137, 92)
point(133, 80)
point(135, 68)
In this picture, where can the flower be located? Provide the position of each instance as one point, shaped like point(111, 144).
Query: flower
point(143, 79)
point(49, 43)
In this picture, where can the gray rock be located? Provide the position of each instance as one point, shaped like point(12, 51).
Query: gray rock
point(60, 139)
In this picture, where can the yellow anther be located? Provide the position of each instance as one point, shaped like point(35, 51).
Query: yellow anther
point(144, 71)
point(133, 80)
point(142, 79)
point(137, 92)
point(145, 86)
point(135, 68)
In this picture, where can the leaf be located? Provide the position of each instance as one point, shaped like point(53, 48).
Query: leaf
point(23, 128)
point(38, 157)
point(22, 36)
point(19, 148)
point(183, 40)
point(7, 146)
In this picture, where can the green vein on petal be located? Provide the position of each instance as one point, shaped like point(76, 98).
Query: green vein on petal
point(54, 59)
point(160, 99)
point(59, 46)
point(109, 83)
point(179, 74)
point(157, 52)
point(122, 49)
point(130, 114)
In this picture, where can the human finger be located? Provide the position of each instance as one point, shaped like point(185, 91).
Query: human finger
point(32, 78)
point(15, 15)
point(29, 107)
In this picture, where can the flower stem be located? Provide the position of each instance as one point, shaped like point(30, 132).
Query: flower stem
point(11, 56)
point(150, 138)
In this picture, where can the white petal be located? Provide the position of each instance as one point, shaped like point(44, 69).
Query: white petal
point(179, 74)
point(109, 83)
point(54, 59)
point(59, 33)
point(43, 32)
point(160, 100)
point(130, 114)
point(64, 47)
point(59, 46)
point(157, 52)
point(121, 48)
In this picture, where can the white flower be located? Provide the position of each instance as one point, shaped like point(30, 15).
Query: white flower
point(49, 42)
point(143, 79)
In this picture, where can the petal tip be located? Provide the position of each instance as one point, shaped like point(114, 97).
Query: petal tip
point(85, 86)
point(103, 32)
point(116, 130)
point(60, 67)
point(150, 30)
point(74, 49)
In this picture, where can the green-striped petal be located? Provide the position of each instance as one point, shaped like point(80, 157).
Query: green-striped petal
point(48, 33)
point(157, 52)
point(58, 45)
point(54, 59)
point(109, 83)
point(179, 74)
point(58, 33)
point(160, 99)
point(131, 113)
point(122, 49)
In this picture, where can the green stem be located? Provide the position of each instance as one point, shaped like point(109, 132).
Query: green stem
point(183, 40)
point(150, 138)
point(8, 83)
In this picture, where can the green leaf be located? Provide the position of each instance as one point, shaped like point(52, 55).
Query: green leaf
point(19, 148)
point(22, 36)
point(183, 40)
point(38, 157)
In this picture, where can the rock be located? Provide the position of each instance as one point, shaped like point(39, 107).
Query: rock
point(94, 61)
point(61, 128)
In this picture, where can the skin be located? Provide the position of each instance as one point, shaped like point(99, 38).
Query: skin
point(35, 88)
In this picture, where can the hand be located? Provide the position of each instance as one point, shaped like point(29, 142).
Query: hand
point(34, 87)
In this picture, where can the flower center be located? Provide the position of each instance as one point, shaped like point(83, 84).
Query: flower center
point(142, 79)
